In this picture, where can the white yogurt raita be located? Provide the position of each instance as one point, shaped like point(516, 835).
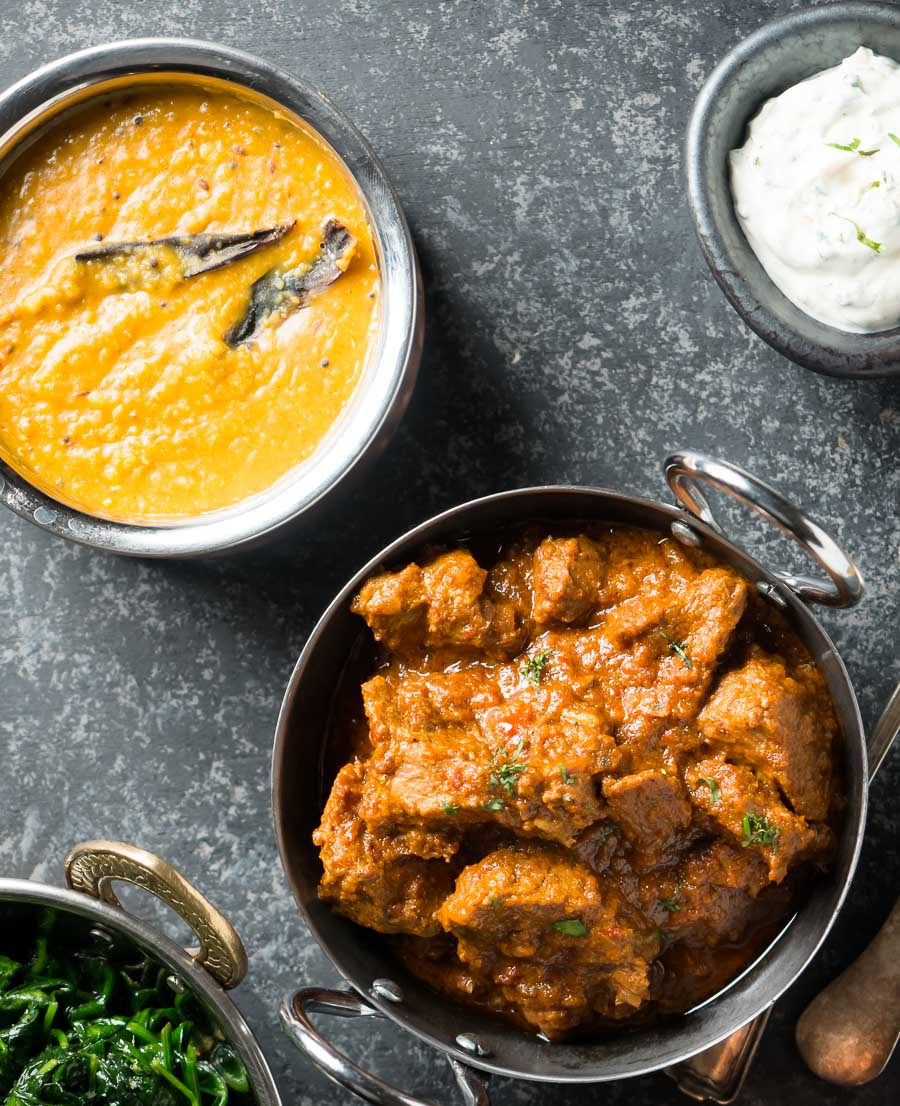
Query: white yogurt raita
point(816, 189)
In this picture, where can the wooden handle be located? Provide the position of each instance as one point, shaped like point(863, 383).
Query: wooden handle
point(848, 1032)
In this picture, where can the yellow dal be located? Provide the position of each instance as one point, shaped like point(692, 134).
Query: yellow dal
point(118, 394)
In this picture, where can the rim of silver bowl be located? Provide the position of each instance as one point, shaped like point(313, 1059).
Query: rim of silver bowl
point(381, 396)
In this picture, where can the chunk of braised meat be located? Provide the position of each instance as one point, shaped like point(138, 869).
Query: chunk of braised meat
point(374, 879)
point(440, 606)
point(748, 810)
point(557, 942)
point(781, 724)
point(527, 763)
point(543, 760)
point(657, 653)
point(567, 579)
point(409, 704)
point(653, 812)
point(709, 898)
point(638, 562)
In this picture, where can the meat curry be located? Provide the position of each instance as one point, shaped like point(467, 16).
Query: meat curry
point(585, 780)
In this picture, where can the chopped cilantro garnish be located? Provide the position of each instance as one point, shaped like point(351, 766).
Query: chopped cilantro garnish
point(533, 668)
point(606, 831)
point(758, 830)
point(564, 774)
point(715, 792)
point(494, 804)
point(850, 148)
point(678, 648)
point(672, 905)
point(505, 769)
point(860, 233)
point(450, 808)
point(571, 927)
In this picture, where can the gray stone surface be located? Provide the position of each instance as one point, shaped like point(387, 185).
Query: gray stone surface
point(574, 335)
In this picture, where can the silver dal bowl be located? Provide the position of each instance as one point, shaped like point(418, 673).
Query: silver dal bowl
point(380, 399)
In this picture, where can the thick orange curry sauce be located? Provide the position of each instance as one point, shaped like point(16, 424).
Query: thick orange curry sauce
point(118, 394)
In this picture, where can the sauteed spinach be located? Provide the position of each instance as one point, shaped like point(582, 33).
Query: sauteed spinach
point(84, 1024)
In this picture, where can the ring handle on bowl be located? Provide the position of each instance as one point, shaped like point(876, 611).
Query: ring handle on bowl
point(295, 1010)
point(94, 866)
point(686, 470)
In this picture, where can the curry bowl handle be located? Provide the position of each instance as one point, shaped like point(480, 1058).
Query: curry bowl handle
point(717, 1073)
point(94, 866)
point(685, 470)
point(295, 1010)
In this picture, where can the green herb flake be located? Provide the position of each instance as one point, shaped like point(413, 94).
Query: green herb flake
point(758, 830)
point(494, 804)
point(850, 148)
point(533, 668)
point(571, 927)
point(894, 138)
point(715, 792)
point(672, 905)
point(450, 808)
point(505, 769)
point(860, 233)
point(564, 775)
point(853, 148)
point(869, 187)
point(606, 831)
point(679, 648)
point(660, 936)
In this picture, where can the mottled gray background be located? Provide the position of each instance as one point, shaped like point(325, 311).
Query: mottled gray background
point(574, 334)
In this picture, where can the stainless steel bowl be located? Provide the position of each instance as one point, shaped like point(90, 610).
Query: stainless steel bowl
point(303, 771)
point(381, 396)
point(219, 964)
point(772, 59)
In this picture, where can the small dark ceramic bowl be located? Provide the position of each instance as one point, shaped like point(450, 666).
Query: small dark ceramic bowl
point(772, 59)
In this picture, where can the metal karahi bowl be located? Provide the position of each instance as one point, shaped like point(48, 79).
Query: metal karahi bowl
point(90, 903)
point(708, 1049)
point(771, 60)
point(380, 398)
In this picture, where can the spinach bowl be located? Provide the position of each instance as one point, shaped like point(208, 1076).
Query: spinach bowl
point(98, 1006)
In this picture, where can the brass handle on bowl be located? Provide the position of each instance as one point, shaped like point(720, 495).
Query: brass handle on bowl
point(849, 1031)
point(94, 866)
point(686, 470)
